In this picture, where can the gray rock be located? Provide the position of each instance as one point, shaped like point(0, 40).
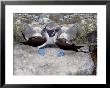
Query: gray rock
point(27, 61)
point(85, 48)
point(92, 37)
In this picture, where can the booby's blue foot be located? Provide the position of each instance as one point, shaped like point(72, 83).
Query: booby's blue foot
point(60, 53)
point(41, 51)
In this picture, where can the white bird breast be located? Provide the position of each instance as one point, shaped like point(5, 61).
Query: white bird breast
point(50, 40)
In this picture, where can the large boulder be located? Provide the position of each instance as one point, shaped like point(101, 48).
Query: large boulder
point(27, 61)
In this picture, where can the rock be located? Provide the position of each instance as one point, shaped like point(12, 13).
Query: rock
point(27, 61)
point(92, 36)
point(92, 40)
point(54, 20)
point(85, 48)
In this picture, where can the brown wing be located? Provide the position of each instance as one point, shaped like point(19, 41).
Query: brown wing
point(35, 41)
point(61, 43)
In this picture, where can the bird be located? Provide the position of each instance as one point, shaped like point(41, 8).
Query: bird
point(32, 35)
point(40, 37)
point(58, 36)
point(35, 41)
point(68, 32)
point(54, 37)
point(61, 43)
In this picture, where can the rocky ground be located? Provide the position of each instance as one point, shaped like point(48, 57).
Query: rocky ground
point(27, 61)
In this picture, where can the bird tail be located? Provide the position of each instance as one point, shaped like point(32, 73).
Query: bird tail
point(78, 47)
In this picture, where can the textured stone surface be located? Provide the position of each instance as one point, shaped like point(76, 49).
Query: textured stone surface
point(27, 61)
